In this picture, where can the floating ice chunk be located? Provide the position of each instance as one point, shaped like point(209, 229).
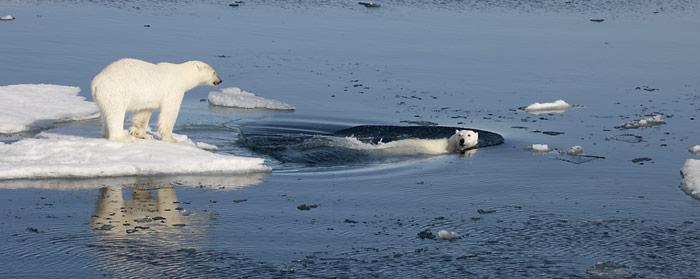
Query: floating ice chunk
point(179, 138)
point(27, 106)
point(63, 156)
point(448, 235)
point(7, 18)
point(237, 98)
point(575, 150)
point(540, 148)
point(557, 106)
point(206, 146)
point(691, 177)
point(607, 270)
point(644, 122)
point(695, 149)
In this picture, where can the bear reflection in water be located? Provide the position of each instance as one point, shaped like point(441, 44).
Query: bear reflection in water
point(142, 232)
point(143, 213)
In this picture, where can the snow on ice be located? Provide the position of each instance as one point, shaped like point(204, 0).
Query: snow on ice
point(27, 106)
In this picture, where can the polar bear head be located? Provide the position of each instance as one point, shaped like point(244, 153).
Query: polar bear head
point(462, 140)
point(205, 74)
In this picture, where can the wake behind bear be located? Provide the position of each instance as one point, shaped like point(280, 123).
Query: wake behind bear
point(142, 87)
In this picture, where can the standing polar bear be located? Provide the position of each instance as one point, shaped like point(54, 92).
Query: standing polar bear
point(135, 85)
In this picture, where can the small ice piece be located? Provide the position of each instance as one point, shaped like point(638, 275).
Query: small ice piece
point(695, 149)
point(575, 150)
point(540, 147)
point(691, 177)
point(237, 98)
point(605, 270)
point(180, 138)
point(448, 235)
point(7, 18)
point(206, 146)
point(28, 106)
point(557, 106)
point(644, 122)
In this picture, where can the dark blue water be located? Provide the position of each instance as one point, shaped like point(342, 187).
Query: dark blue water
point(461, 63)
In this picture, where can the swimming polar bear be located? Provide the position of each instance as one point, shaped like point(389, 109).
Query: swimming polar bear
point(139, 86)
point(460, 142)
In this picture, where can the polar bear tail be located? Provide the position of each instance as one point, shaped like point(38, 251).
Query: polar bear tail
point(94, 89)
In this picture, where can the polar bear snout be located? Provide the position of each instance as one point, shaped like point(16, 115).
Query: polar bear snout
point(218, 81)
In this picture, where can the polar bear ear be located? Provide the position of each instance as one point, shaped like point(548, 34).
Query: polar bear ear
point(456, 131)
point(197, 66)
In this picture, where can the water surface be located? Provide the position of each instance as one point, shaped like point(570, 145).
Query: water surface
point(462, 63)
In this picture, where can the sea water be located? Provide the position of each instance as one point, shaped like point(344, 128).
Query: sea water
point(470, 64)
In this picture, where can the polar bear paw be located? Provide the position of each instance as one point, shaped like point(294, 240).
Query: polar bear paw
point(139, 134)
point(123, 137)
point(168, 139)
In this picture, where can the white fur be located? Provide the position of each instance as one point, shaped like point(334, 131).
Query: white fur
point(423, 146)
point(135, 85)
point(462, 140)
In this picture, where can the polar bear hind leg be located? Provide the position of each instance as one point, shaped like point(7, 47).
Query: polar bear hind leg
point(139, 123)
point(113, 119)
point(105, 132)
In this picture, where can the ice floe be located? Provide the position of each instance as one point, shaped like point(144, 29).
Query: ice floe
point(540, 148)
point(557, 106)
point(7, 18)
point(695, 149)
point(607, 270)
point(691, 177)
point(237, 98)
point(644, 122)
point(27, 106)
point(63, 156)
point(448, 235)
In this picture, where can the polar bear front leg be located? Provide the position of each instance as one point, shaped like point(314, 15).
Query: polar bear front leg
point(139, 123)
point(168, 115)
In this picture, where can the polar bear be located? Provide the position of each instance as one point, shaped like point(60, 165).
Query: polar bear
point(460, 142)
point(139, 86)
